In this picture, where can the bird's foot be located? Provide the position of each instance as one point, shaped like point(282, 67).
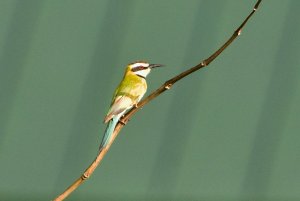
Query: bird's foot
point(123, 121)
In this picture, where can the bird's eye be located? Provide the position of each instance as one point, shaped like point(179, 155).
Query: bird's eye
point(138, 68)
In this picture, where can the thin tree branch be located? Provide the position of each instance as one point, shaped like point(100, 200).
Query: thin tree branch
point(167, 85)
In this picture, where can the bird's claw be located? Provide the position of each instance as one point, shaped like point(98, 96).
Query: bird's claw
point(122, 121)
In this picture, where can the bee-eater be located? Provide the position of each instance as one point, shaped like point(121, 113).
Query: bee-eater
point(129, 92)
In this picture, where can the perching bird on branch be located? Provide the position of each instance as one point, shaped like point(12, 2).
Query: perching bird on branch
point(129, 92)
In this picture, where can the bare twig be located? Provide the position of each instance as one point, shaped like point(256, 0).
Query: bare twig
point(167, 85)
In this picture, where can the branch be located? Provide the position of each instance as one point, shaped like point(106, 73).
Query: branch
point(167, 85)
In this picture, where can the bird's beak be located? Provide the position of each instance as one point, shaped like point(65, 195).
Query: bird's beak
point(155, 65)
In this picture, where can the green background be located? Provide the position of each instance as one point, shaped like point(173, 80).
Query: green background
point(227, 132)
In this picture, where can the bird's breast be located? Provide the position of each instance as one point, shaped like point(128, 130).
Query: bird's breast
point(134, 87)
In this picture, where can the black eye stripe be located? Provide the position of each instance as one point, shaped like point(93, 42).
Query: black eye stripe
point(138, 68)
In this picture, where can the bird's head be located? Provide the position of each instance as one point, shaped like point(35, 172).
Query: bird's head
point(142, 68)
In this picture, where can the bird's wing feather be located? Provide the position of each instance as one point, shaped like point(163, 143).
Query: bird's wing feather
point(129, 92)
point(120, 104)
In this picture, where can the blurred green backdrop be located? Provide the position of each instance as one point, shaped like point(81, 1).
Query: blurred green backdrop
point(227, 132)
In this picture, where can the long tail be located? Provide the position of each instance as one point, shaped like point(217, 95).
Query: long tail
point(109, 131)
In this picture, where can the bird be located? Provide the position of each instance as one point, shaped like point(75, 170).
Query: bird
point(128, 93)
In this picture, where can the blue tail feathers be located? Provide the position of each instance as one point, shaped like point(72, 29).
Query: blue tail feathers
point(109, 131)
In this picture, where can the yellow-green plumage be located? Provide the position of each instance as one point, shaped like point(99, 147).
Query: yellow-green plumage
point(132, 88)
point(129, 92)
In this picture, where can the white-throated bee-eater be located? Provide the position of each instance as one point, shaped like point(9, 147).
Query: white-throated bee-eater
point(129, 92)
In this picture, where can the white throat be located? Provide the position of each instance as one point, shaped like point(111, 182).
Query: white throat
point(143, 73)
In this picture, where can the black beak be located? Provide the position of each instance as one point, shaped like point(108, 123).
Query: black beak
point(155, 65)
